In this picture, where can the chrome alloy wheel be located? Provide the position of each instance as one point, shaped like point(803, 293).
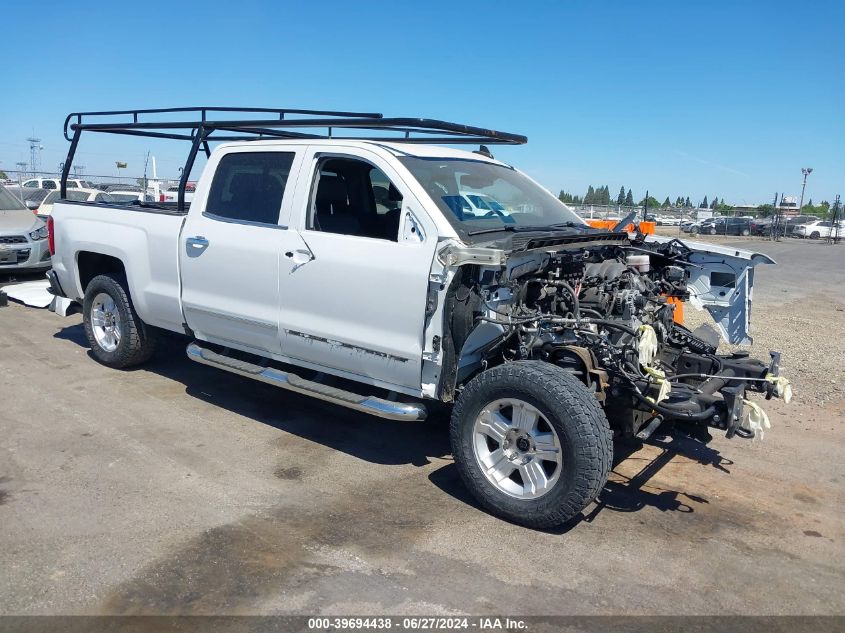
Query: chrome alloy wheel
point(105, 322)
point(517, 448)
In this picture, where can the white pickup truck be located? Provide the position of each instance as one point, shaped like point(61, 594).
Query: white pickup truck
point(345, 269)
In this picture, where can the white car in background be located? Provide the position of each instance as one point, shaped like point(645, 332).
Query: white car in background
point(73, 195)
point(819, 229)
point(171, 194)
point(55, 183)
point(23, 237)
point(128, 195)
point(482, 205)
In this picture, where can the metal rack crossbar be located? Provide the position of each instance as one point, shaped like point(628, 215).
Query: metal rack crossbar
point(200, 130)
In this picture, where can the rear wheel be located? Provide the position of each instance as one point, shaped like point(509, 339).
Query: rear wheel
point(815, 235)
point(117, 336)
point(713, 231)
point(531, 443)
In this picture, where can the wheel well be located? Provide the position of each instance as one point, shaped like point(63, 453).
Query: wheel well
point(92, 264)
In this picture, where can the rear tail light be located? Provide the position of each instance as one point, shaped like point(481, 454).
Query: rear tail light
point(161, 197)
point(51, 235)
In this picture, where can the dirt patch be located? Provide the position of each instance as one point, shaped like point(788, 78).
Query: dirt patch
point(292, 473)
point(229, 568)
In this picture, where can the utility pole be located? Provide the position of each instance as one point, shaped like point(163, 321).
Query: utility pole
point(35, 154)
point(806, 171)
point(833, 236)
point(146, 162)
point(645, 206)
point(774, 226)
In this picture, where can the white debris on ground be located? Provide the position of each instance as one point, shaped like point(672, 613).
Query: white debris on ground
point(35, 294)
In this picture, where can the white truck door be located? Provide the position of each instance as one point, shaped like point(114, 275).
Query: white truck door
point(232, 247)
point(357, 303)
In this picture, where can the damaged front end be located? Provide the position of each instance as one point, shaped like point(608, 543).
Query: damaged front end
point(608, 308)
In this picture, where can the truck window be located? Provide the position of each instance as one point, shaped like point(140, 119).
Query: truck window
point(352, 197)
point(249, 186)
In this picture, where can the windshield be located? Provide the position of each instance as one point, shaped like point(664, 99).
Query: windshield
point(501, 196)
point(8, 202)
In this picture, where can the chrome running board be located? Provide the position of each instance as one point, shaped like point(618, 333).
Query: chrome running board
point(286, 380)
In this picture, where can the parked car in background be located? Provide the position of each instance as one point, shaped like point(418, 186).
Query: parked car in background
point(786, 225)
point(73, 195)
point(819, 229)
point(31, 198)
point(702, 226)
point(728, 226)
point(23, 236)
point(123, 195)
point(53, 183)
point(171, 194)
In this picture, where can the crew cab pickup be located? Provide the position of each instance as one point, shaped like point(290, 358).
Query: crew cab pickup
point(347, 269)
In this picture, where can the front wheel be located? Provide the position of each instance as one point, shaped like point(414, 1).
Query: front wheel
point(117, 336)
point(746, 232)
point(531, 443)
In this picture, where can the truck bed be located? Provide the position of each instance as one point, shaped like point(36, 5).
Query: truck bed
point(146, 238)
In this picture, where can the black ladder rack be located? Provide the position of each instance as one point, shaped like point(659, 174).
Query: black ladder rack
point(200, 129)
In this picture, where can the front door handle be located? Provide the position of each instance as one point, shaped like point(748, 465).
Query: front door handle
point(198, 241)
point(300, 257)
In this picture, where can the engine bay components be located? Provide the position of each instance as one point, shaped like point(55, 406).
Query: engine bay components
point(606, 314)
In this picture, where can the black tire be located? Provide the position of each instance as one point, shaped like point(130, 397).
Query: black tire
point(713, 231)
point(137, 340)
point(815, 235)
point(746, 232)
point(570, 409)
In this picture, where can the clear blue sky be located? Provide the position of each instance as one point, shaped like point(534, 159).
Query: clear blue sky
point(682, 98)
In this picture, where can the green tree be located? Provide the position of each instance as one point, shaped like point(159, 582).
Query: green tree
point(704, 204)
point(3, 175)
point(590, 198)
point(715, 203)
point(687, 203)
point(666, 204)
point(620, 199)
point(653, 202)
point(629, 199)
point(765, 210)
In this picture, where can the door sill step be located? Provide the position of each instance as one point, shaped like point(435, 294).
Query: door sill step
point(286, 380)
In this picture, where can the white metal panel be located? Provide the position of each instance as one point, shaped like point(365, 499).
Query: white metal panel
point(230, 285)
point(359, 304)
point(145, 242)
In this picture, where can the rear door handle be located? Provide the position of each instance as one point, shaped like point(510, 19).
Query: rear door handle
point(198, 242)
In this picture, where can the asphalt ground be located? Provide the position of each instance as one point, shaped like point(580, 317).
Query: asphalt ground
point(180, 489)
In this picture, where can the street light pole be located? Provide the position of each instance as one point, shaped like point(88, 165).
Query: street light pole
point(806, 171)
